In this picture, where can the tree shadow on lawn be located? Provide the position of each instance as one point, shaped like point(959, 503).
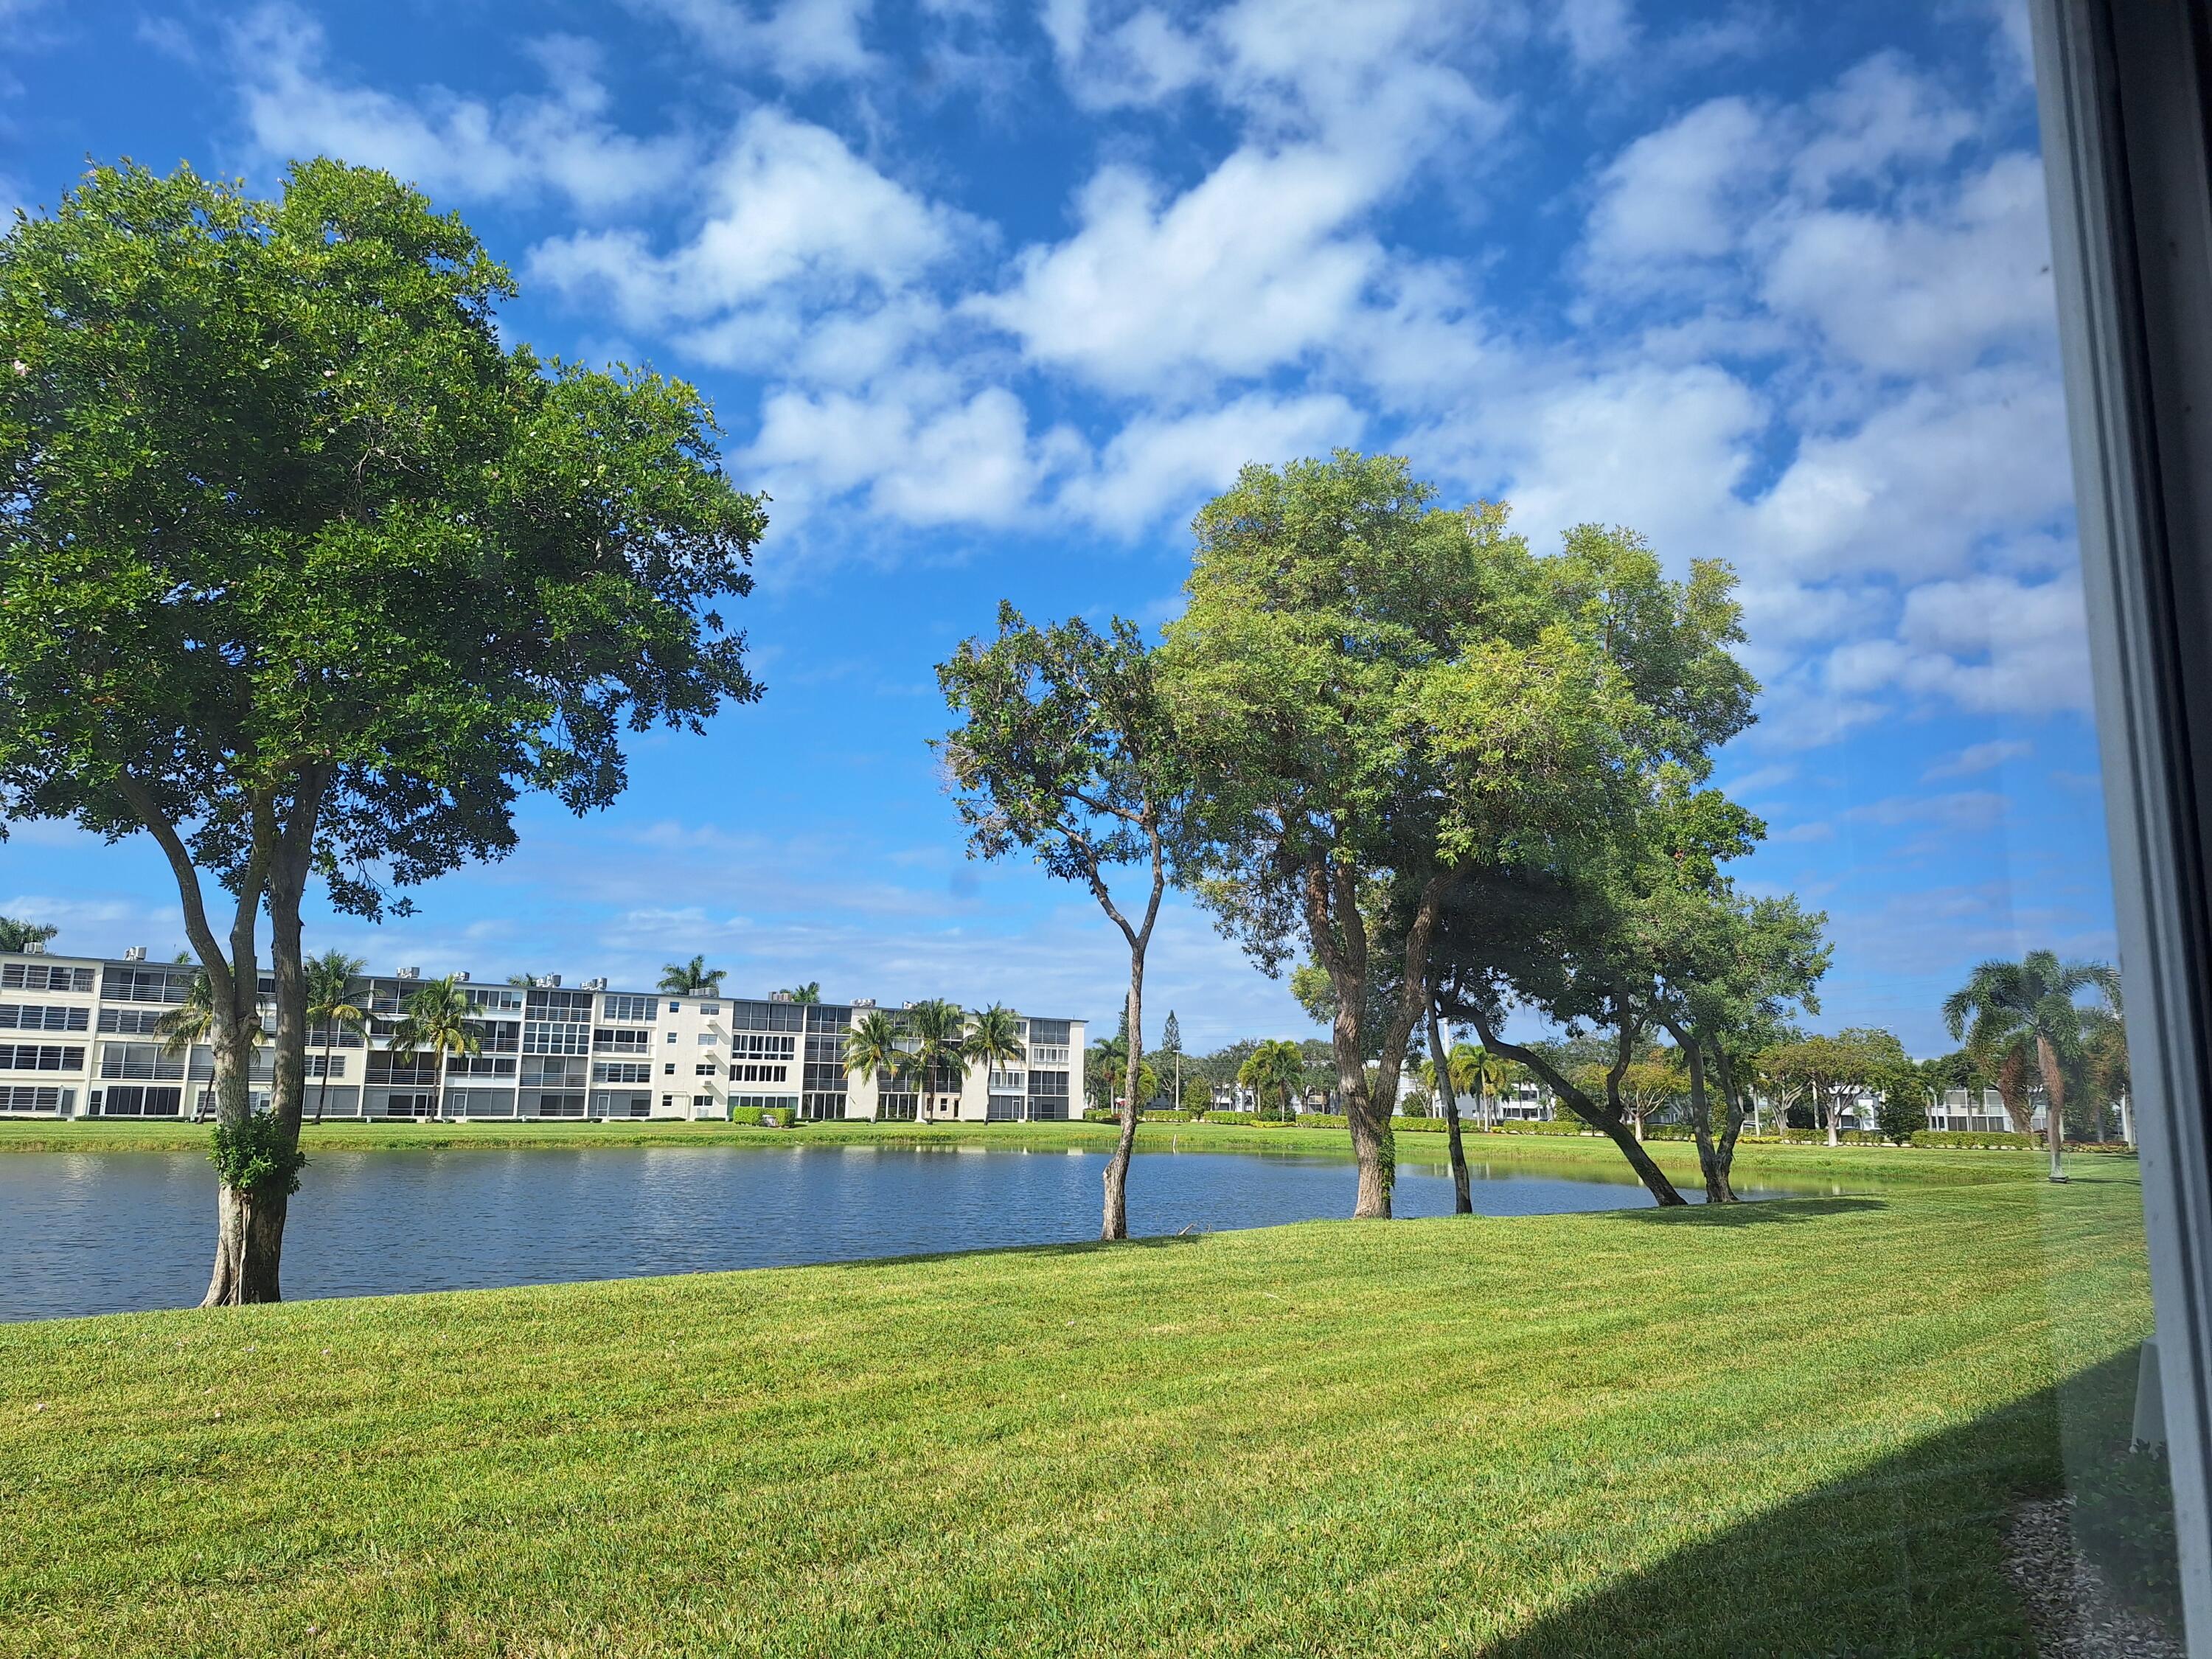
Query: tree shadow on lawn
point(1906, 1559)
point(1074, 1247)
point(1751, 1212)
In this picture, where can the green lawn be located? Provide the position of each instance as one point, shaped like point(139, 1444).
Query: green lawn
point(1787, 1428)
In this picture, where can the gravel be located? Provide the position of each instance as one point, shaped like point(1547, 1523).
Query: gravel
point(2074, 1615)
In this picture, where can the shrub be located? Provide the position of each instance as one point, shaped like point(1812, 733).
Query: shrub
point(2005, 1138)
point(1564, 1125)
point(2124, 1515)
point(1100, 1115)
point(1223, 1115)
point(1423, 1125)
point(764, 1117)
point(1164, 1114)
point(1321, 1120)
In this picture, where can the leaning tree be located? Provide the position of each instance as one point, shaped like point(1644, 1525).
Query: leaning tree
point(1066, 751)
point(306, 574)
point(1383, 697)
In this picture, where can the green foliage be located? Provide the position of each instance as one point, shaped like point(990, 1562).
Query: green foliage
point(2124, 1515)
point(260, 1157)
point(692, 978)
point(22, 935)
point(1901, 1111)
point(994, 1039)
point(767, 1117)
point(1197, 1095)
point(1100, 1115)
point(1164, 1115)
point(1971, 1138)
point(306, 572)
point(1246, 1119)
point(440, 1018)
point(1273, 1071)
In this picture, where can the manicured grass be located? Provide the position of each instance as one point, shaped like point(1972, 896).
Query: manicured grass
point(1791, 1428)
point(1678, 1159)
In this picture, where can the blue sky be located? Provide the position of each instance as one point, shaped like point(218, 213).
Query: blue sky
point(990, 294)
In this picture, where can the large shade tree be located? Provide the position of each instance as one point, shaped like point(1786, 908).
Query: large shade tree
point(306, 572)
point(1066, 751)
point(1383, 695)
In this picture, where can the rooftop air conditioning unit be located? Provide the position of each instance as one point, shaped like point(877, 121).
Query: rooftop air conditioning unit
point(410, 973)
point(34, 947)
point(599, 984)
point(134, 953)
point(863, 1002)
point(553, 980)
point(461, 978)
point(779, 996)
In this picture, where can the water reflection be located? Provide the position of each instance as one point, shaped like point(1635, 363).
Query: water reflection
point(83, 1233)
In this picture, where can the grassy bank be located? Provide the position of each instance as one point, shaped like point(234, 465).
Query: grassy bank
point(1789, 1428)
point(1678, 1159)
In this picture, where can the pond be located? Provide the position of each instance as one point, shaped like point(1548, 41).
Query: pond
point(91, 1233)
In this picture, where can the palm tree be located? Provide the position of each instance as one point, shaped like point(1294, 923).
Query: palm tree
point(2006, 1010)
point(438, 1018)
point(939, 1030)
point(994, 1039)
point(1276, 1067)
point(329, 979)
point(690, 978)
point(875, 1049)
point(1108, 1060)
point(22, 935)
point(1492, 1075)
point(809, 993)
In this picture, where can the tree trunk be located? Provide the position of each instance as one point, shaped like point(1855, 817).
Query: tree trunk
point(1834, 1107)
point(323, 1094)
point(1709, 1164)
point(2054, 1104)
point(1587, 1110)
point(1462, 1190)
point(1115, 1223)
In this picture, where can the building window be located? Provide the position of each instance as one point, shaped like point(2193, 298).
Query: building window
point(758, 1074)
point(708, 1069)
point(621, 1042)
point(42, 1016)
point(669, 1070)
point(35, 1097)
point(755, 1045)
point(135, 984)
point(622, 1071)
point(671, 1037)
point(139, 1060)
point(701, 1103)
point(675, 1008)
point(43, 976)
point(626, 1008)
point(542, 1037)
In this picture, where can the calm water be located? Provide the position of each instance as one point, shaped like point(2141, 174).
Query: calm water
point(90, 1233)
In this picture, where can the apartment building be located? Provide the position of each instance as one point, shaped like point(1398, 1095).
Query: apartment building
point(78, 1039)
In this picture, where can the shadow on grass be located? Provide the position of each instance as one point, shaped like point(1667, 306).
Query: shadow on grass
point(1906, 1559)
point(1078, 1246)
point(1751, 1212)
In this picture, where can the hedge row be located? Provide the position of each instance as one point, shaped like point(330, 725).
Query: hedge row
point(764, 1117)
point(1973, 1138)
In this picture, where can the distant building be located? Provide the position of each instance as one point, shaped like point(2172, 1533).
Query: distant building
point(77, 1039)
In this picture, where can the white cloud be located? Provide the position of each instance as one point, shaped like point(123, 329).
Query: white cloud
point(1596, 32)
point(1978, 757)
point(442, 141)
point(801, 40)
point(1988, 643)
point(919, 461)
point(1922, 484)
point(1243, 273)
point(792, 214)
point(1156, 464)
point(1908, 293)
point(1682, 193)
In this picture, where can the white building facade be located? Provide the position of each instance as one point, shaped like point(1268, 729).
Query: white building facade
point(78, 1039)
